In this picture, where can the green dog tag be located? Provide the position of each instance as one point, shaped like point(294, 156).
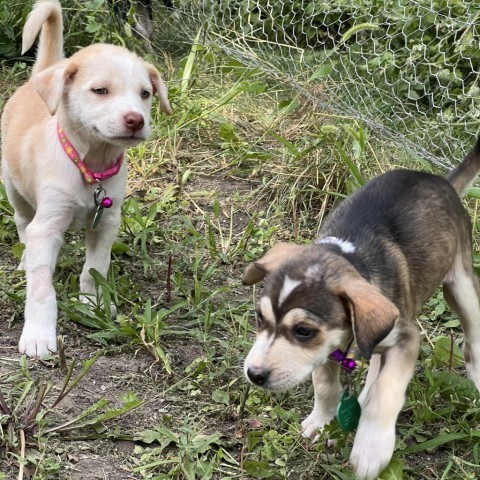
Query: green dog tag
point(348, 411)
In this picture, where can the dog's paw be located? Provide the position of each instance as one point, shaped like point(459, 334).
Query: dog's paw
point(313, 423)
point(372, 449)
point(38, 341)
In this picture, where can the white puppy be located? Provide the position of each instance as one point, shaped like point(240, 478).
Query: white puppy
point(64, 134)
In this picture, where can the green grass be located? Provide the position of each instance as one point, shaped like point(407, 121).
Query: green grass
point(243, 162)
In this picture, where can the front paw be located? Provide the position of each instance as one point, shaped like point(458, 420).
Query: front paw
point(38, 340)
point(315, 422)
point(372, 449)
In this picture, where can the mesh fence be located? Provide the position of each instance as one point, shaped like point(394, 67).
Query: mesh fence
point(408, 69)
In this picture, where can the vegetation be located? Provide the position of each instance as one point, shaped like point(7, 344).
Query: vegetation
point(430, 45)
point(158, 392)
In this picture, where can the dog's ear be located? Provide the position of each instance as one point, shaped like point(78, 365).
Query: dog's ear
point(273, 259)
point(52, 83)
point(373, 315)
point(159, 88)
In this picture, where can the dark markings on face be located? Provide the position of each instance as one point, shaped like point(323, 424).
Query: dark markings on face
point(302, 306)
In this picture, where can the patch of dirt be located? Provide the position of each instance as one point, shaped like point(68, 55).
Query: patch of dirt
point(112, 377)
point(123, 370)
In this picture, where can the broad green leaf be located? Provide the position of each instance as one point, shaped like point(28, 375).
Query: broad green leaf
point(18, 249)
point(444, 350)
point(452, 323)
point(434, 442)
point(221, 396)
point(120, 248)
point(321, 71)
point(394, 470)
point(258, 469)
point(201, 443)
point(451, 384)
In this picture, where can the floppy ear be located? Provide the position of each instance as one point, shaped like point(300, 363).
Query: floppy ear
point(373, 315)
point(159, 88)
point(273, 259)
point(52, 82)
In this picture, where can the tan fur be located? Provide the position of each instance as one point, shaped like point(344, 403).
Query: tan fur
point(47, 14)
point(101, 97)
point(372, 313)
point(273, 259)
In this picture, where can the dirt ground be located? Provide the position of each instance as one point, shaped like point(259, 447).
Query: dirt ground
point(120, 370)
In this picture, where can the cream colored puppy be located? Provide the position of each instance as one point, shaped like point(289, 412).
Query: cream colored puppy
point(64, 134)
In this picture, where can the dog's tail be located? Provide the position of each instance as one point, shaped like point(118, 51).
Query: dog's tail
point(47, 16)
point(463, 175)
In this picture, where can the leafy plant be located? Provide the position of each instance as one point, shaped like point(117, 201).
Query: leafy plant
point(24, 414)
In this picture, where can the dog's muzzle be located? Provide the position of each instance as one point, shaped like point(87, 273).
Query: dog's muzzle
point(258, 376)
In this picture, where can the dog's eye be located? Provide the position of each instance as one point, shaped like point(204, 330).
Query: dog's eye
point(100, 90)
point(303, 333)
point(259, 316)
point(145, 94)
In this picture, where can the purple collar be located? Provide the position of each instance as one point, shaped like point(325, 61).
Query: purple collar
point(341, 357)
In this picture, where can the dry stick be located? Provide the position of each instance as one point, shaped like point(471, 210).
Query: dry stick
point(425, 333)
point(42, 390)
point(22, 453)
point(61, 355)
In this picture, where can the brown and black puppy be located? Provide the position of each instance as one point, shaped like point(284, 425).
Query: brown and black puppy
point(379, 256)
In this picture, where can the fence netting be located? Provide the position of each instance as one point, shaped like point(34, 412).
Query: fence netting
point(408, 69)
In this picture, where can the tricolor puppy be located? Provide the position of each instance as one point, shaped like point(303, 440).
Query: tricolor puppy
point(379, 256)
point(64, 134)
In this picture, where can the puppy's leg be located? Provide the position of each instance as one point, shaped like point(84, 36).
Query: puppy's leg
point(43, 238)
point(461, 290)
point(375, 437)
point(326, 384)
point(23, 212)
point(99, 246)
point(372, 374)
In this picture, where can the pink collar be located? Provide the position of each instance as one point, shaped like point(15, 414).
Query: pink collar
point(89, 176)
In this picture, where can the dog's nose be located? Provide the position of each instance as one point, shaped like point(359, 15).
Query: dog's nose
point(258, 376)
point(134, 121)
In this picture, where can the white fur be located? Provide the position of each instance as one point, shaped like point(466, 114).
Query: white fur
point(345, 245)
point(289, 285)
point(373, 446)
point(327, 388)
point(45, 188)
point(462, 287)
point(372, 374)
point(289, 364)
point(256, 357)
point(382, 401)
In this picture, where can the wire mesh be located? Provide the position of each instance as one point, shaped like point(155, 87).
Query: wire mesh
point(406, 68)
